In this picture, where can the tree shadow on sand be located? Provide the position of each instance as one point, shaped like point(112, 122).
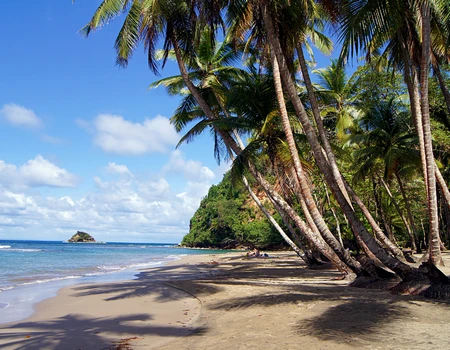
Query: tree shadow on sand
point(75, 331)
point(354, 318)
point(154, 282)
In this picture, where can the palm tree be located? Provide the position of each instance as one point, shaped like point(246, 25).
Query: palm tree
point(337, 92)
point(403, 30)
point(370, 246)
point(146, 20)
point(386, 139)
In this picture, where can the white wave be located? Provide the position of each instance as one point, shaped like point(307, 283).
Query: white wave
point(22, 250)
point(2, 289)
point(53, 279)
point(3, 305)
point(5, 246)
point(176, 257)
point(148, 264)
point(110, 268)
point(95, 274)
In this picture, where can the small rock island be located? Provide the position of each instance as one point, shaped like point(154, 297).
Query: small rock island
point(82, 237)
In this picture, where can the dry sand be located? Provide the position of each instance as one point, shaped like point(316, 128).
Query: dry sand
point(232, 302)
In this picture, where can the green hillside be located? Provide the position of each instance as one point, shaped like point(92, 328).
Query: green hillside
point(227, 218)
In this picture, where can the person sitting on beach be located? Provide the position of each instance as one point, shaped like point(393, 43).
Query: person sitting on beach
point(255, 253)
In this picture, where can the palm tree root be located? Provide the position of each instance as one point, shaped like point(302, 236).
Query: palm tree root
point(427, 281)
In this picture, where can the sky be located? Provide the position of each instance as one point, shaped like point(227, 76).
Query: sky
point(84, 145)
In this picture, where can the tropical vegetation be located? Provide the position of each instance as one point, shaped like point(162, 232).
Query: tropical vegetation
point(352, 170)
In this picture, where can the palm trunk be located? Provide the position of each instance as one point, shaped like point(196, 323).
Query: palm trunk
point(443, 86)
point(379, 234)
point(318, 119)
point(273, 221)
point(408, 211)
point(402, 216)
point(306, 256)
point(443, 186)
point(338, 228)
point(435, 250)
point(412, 83)
point(317, 241)
point(308, 203)
point(384, 220)
point(370, 245)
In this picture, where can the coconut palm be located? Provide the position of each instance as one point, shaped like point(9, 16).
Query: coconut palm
point(386, 140)
point(174, 22)
point(337, 92)
point(404, 30)
point(207, 67)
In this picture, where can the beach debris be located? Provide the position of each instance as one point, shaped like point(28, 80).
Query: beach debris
point(124, 344)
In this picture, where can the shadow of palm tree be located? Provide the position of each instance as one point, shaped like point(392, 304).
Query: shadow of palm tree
point(77, 332)
point(152, 282)
point(354, 318)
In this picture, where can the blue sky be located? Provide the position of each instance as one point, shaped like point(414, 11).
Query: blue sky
point(84, 145)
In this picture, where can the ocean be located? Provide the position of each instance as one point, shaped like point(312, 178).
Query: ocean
point(31, 271)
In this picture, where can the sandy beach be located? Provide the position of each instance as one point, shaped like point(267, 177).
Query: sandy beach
point(231, 301)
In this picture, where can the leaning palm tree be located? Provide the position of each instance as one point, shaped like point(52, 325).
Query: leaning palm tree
point(269, 12)
point(211, 71)
point(385, 139)
point(148, 20)
point(403, 30)
point(176, 20)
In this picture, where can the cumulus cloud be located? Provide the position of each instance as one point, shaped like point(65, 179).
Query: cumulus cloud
point(133, 207)
point(35, 173)
point(20, 116)
point(191, 169)
point(114, 134)
point(114, 168)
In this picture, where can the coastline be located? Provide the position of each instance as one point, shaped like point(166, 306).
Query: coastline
point(230, 301)
point(104, 315)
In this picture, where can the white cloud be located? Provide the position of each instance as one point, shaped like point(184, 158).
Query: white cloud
point(191, 169)
point(114, 168)
point(20, 116)
point(116, 135)
point(128, 208)
point(35, 173)
point(41, 172)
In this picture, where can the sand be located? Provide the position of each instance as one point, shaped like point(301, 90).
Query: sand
point(232, 302)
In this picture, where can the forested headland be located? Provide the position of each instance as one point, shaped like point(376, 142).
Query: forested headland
point(228, 218)
point(347, 168)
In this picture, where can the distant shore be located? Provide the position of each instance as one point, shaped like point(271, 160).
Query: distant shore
point(230, 301)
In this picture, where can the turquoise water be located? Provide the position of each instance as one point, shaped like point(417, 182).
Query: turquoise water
point(34, 270)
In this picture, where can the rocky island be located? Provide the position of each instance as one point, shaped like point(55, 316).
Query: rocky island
point(82, 237)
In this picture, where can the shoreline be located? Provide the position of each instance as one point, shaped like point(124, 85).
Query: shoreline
point(93, 311)
point(20, 300)
point(230, 301)
point(24, 285)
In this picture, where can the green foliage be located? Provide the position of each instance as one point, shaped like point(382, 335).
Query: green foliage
point(227, 217)
point(81, 236)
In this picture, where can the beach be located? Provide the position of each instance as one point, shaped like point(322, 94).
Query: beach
point(230, 301)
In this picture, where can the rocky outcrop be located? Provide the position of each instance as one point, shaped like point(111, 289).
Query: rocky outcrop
point(82, 237)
